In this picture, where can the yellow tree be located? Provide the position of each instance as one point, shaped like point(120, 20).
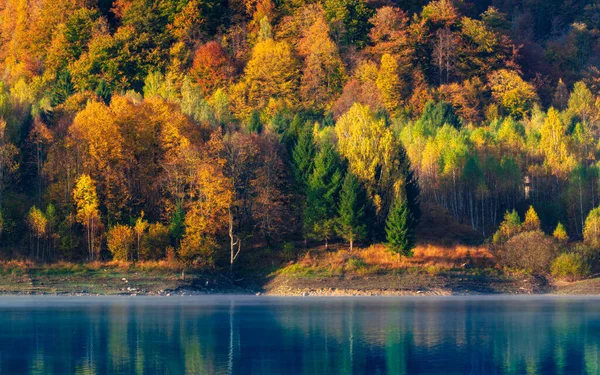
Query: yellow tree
point(389, 84)
point(372, 153)
point(554, 144)
point(140, 228)
point(512, 92)
point(271, 73)
point(88, 214)
point(38, 225)
point(98, 142)
point(323, 71)
point(119, 240)
point(591, 232)
point(207, 211)
point(532, 221)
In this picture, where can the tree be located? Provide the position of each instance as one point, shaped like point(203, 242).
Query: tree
point(591, 231)
point(391, 35)
point(211, 68)
point(254, 123)
point(206, 213)
point(510, 91)
point(560, 233)
point(88, 214)
point(532, 221)
point(388, 83)
point(155, 242)
point(8, 157)
point(38, 224)
point(120, 240)
point(271, 73)
point(140, 228)
point(510, 227)
point(351, 18)
point(375, 156)
point(303, 155)
point(554, 144)
point(322, 194)
point(399, 228)
point(351, 223)
point(323, 71)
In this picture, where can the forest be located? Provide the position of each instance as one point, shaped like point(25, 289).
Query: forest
point(200, 130)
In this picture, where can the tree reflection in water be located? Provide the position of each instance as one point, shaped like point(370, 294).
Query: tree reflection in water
point(250, 335)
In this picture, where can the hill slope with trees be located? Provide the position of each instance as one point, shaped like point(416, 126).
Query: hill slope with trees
point(200, 130)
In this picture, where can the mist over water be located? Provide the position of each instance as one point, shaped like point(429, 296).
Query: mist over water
point(264, 335)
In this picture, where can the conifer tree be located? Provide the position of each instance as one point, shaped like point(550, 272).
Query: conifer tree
point(351, 222)
point(321, 194)
point(303, 155)
point(400, 229)
point(254, 124)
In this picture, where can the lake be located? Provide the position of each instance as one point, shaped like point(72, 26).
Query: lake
point(264, 335)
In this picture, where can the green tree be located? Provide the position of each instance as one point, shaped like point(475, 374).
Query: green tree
point(400, 228)
point(352, 211)
point(254, 123)
point(510, 226)
point(303, 155)
point(321, 194)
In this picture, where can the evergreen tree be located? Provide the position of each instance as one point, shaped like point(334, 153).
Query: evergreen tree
point(321, 194)
point(400, 229)
point(303, 155)
point(351, 222)
point(411, 186)
point(254, 124)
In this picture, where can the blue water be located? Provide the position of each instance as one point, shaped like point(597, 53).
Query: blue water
point(260, 335)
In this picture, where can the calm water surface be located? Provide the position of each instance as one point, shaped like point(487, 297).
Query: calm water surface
point(259, 335)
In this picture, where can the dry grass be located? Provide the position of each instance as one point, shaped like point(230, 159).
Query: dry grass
point(376, 258)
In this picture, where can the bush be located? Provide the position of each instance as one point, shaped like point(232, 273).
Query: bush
point(533, 251)
point(590, 256)
point(570, 266)
point(155, 242)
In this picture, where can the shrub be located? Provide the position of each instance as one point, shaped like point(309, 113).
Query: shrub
point(155, 242)
point(590, 256)
point(570, 266)
point(121, 239)
point(533, 251)
point(288, 252)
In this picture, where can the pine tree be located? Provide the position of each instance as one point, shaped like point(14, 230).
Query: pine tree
point(400, 229)
point(254, 124)
point(303, 155)
point(351, 222)
point(321, 194)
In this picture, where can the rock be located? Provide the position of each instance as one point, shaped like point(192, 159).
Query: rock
point(305, 294)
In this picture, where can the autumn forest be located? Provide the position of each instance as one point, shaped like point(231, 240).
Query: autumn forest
point(198, 130)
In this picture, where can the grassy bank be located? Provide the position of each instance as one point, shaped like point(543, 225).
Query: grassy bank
point(433, 270)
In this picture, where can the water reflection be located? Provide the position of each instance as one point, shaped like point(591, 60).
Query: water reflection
point(247, 335)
